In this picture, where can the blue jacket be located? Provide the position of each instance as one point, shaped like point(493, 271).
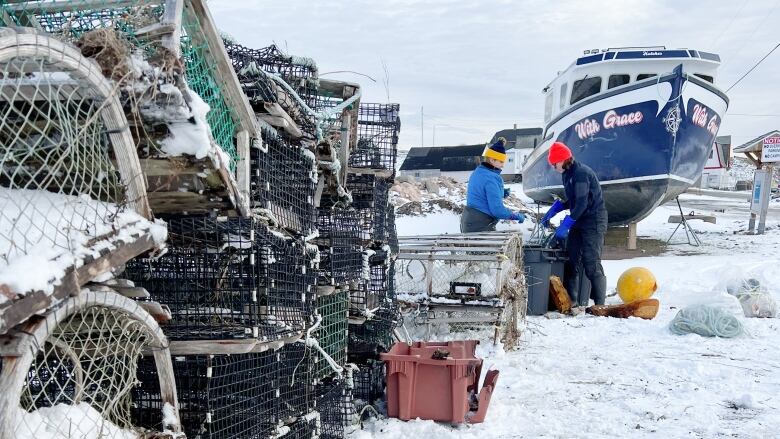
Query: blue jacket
point(583, 196)
point(486, 192)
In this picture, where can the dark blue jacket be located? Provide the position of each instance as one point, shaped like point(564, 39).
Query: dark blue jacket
point(583, 196)
point(485, 192)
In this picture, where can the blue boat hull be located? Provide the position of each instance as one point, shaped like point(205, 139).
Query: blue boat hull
point(647, 143)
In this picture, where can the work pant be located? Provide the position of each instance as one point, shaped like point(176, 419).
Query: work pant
point(584, 250)
point(473, 220)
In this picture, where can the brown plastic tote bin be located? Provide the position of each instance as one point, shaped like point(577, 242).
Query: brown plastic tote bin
point(421, 386)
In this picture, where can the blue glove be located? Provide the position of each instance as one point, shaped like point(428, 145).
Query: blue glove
point(506, 192)
point(563, 230)
point(551, 212)
point(517, 216)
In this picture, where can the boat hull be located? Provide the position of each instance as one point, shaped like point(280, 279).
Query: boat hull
point(647, 143)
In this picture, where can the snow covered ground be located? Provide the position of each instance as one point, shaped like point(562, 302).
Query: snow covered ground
point(592, 377)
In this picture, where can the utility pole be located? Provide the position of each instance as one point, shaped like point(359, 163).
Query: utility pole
point(422, 127)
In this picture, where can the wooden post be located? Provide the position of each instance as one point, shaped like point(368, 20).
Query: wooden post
point(632, 236)
point(346, 131)
point(172, 16)
point(242, 165)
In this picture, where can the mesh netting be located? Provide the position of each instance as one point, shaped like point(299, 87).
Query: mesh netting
point(304, 427)
point(332, 333)
point(392, 232)
point(373, 291)
point(53, 141)
point(337, 409)
point(283, 181)
point(79, 383)
point(294, 396)
point(228, 278)
point(72, 20)
point(369, 383)
point(378, 127)
point(202, 76)
point(340, 248)
point(370, 196)
point(221, 396)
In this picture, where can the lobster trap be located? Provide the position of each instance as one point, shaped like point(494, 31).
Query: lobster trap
point(226, 278)
point(294, 385)
point(332, 333)
point(464, 280)
point(370, 292)
point(370, 197)
point(378, 128)
point(71, 373)
point(255, 66)
point(283, 181)
point(336, 406)
point(341, 254)
point(369, 383)
point(221, 396)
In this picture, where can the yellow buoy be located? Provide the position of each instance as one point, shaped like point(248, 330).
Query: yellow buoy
point(636, 283)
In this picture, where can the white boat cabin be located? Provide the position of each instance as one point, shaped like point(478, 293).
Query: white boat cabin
point(599, 71)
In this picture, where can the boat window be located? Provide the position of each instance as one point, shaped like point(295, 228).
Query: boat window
point(642, 76)
point(562, 99)
point(548, 106)
point(618, 80)
point(707, 78)
point(584, 88)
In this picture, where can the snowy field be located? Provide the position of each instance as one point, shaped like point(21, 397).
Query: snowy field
point(594, 377)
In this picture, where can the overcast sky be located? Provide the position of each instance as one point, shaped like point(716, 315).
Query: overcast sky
point(479, 66)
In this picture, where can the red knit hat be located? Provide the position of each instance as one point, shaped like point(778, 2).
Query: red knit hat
point(558, 153)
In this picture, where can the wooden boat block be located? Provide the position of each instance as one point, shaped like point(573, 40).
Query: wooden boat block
point(644, 309)
point(559, 296)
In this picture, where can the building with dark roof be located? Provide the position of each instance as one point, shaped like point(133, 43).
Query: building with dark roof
point(520, 137)
point(452, 161)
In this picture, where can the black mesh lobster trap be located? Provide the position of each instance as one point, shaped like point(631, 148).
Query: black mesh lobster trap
point(220, 396)
point(377, 146)
point(373, 290)
point(251, 64)
point(368, 383)
point(294, 385)
point(283, 181)
point(336, 407)
point(304, 427)
point(339, 241)
point(370, 196)
point(331, 333)
point(376, 333)
point(392, 231)
point(228, 278)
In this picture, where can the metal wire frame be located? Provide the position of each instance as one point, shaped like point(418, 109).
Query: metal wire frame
point(221, 396)
point(336, 406)
point(294, 384)
point(369, 383)
point(228, 278)
point(378, 128)
point(331, 334)
point(282, 182)
point(340, 245)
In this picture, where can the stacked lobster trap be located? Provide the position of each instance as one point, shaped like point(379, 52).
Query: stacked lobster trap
point(464, 282)
point(273, 270)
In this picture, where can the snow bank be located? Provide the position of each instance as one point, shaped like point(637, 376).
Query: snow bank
point(68, 422)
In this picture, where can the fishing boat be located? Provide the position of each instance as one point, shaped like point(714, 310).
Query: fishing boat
point(644, 119)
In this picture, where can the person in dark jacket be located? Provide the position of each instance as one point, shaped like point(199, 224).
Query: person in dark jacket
point(485, 193)
point(584, 227)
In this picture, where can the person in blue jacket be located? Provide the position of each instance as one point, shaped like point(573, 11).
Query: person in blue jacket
point(485, 193)
point(584, 227)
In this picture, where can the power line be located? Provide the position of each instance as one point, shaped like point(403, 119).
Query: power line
point(733, 18)
point(752, 68)
point(754, 115)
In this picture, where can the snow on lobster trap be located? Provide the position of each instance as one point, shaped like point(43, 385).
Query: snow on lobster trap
point(465, 281)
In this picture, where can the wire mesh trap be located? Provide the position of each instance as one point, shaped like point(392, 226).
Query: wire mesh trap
point(336, 406)
point(331, 334)
point(374, 290)
point(303, 427)
point(370, 196)
point(221, 396)
point(294, 386)
point(340, 246)
point(283, 181)
point(60, 186)
point(77, 368)
point(369, 383)
point(228, 278)
point(378, 128)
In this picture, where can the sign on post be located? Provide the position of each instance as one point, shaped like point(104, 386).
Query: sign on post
point(770, 150)
point(758, 191)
